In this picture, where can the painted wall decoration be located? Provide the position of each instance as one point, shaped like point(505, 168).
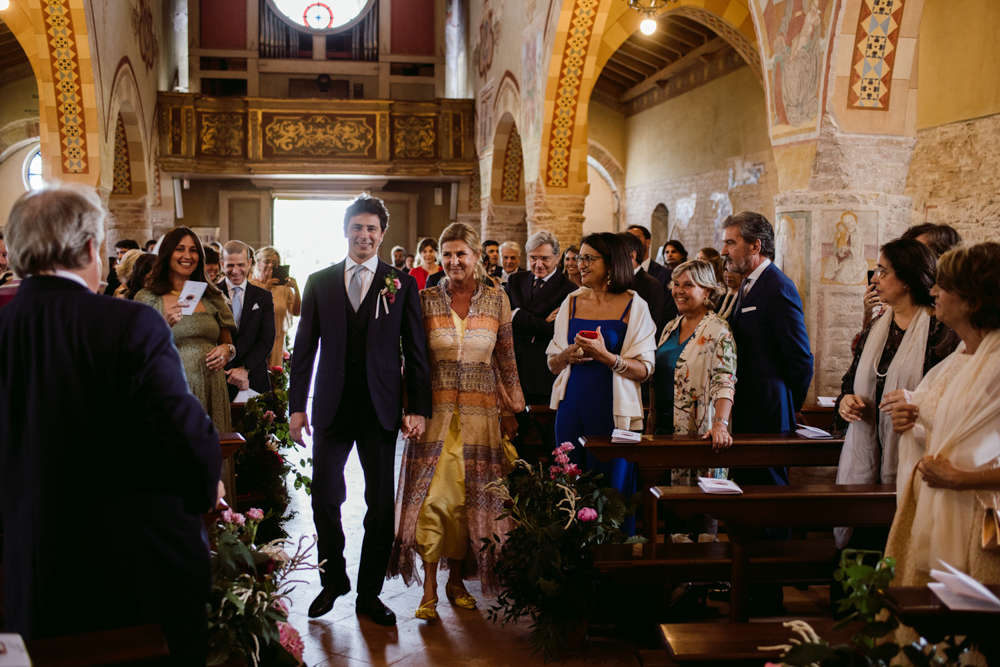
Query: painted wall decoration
point(318, 135)
point(510, 189)
point(489, 37)
point(221, 134)
point(722, 208)
point(874, 54)
point(145, 33)
point(484, 139)
point(849, 247)
point(414, 136)
point(532, 84)
point(64, 57)
point(568, 91)
point(791, 247)
point(122, 181)
point(796, 36)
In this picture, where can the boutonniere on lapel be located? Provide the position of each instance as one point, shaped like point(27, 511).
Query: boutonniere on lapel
point(388, 293)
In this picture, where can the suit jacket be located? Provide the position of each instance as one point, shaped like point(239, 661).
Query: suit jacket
point(774, 363)
point(663, 274)
point(135, 478)
point(531, 332)
point(254, 339)
point(651, 291)
point(322, 318)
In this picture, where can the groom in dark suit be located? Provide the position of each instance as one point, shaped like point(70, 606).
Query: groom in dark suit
point(253, 310)
point(364, 318)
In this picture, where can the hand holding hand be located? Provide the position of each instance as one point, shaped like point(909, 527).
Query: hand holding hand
point(852, 408)
point(297, 423)
point(720, 437)
point(508, 427)
point(904, 416)
point(414, 427)
point(173, 314)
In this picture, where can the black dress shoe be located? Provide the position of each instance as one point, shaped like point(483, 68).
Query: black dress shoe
point(370, 605)
point(324, 601)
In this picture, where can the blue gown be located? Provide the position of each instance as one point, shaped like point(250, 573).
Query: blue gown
point(588, 404)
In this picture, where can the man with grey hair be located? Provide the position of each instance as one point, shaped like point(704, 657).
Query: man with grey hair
point(510, 259)
point(534, 296)
point(145, 471)
point(253, 310)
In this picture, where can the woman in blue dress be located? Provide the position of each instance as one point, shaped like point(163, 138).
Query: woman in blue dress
point(603, 347)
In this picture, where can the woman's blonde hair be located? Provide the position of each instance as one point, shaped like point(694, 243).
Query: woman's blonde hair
point(459, 231)
point(261, 255)
point(125, 264)
point(702, 274)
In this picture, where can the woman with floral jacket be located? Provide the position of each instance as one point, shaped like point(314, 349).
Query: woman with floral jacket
point(695, 378)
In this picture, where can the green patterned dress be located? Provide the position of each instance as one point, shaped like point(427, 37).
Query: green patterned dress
point(195, 335)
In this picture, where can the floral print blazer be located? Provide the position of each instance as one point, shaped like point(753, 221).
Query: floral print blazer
point(706, 372)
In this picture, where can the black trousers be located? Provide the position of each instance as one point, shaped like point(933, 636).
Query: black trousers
point(377, 451)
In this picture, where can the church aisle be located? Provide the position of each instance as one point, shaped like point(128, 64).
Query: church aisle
point(460, 637)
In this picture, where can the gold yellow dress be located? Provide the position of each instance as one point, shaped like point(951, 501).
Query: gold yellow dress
point(442, 526)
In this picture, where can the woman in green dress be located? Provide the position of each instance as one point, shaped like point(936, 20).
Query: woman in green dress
point(202, 338)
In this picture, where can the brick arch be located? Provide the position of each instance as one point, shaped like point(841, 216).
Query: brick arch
point(125, 110)
point(588, 33)
point(54, 36)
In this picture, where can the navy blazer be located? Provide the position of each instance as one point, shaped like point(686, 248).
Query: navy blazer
point(664, 275)
point(323, 303)
point(532, 333)
point(774, 365)
point(100, 499)
point(651, 291)
point(254, 338)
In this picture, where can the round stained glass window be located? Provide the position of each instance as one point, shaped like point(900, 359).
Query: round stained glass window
point(322, 17)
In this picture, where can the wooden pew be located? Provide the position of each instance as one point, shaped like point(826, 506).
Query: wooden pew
point(729, 645)
point(760, 507)
point(655, 454)
point(817, 416)
point(141, 645)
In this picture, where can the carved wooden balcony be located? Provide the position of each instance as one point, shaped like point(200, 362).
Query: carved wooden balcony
point(255, 136)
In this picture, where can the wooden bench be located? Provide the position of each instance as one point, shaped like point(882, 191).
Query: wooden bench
point(758, 507)
point(141, 645)
point(725, 644)
point(656, 454)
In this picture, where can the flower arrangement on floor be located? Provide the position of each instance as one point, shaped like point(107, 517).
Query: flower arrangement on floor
point(545, 565)
point(248, 617)
point(872, 644)
point(262, 464)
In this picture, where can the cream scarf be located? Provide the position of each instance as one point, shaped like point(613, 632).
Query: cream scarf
point(966, 431)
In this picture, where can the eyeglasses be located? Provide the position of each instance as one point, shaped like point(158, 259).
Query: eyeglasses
point(881, 271)
point(586, 260)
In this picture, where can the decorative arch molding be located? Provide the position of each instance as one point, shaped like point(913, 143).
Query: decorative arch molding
point(507, 163)
point(743, 44)
point(611, 171)
point(125, 107)
point(16, 135)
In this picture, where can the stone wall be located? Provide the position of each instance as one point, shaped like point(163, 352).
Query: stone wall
point(698, 204)
point(953, 177)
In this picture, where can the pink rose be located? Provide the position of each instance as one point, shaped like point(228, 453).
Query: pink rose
point(269, 416)
point(255, 514)
point(553, 471)
point(227, 516)
point(562, 458)
point(572, 470)
point(286, 356)
point(397, 282)
point(239, 519)
point(290, 640)
point(563, 448)
point(587, 514)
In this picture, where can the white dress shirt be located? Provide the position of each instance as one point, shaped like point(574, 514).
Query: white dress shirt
point(69, 275)
point(366, 278)
point(751, 280)
point(645, 263)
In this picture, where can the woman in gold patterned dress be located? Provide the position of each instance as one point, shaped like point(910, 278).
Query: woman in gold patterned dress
point(287, 299)
point(442, 506)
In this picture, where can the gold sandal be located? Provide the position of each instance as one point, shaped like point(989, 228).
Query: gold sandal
point(459, 597)
point(427, 611)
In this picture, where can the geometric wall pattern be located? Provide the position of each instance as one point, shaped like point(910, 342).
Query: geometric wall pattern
point(568, 91)
point(66, 80)
point(122, 183)
point(513, 163)
point(874, 54)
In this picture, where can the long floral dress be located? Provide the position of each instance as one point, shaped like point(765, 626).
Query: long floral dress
point(474, 381)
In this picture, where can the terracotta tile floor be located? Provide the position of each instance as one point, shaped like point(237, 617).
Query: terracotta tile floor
point(460, 637)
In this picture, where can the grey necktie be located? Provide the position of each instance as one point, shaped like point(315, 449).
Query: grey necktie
point(237, 305)
point(355, 286)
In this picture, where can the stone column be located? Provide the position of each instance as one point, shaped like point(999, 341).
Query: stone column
point(561, 214)
point(503, 222)
point(828, 236)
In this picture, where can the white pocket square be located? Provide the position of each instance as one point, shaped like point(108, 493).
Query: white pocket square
point(745, 310)
point(256, 306)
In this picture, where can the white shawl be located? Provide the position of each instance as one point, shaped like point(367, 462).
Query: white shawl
point(639, 343)
point(966, 431)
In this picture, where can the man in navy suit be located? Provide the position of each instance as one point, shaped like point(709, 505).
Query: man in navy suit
point(101, 506)
point(655, 269)
point(365, 313)
point(253, 310)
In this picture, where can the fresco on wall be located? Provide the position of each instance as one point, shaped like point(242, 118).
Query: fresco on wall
point(849, 246)
point(684, 210)
point(145, 33)
point(532, 85)
point(489, 37)
point(791, 248)
point(795, 36)
point(484, 109)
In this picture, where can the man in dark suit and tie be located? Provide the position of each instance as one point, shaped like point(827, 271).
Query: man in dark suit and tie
point(253, 310)
point(534, 296)
point(655, 269)
point(101, 508)
point(645, 285)
point(365, 313)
